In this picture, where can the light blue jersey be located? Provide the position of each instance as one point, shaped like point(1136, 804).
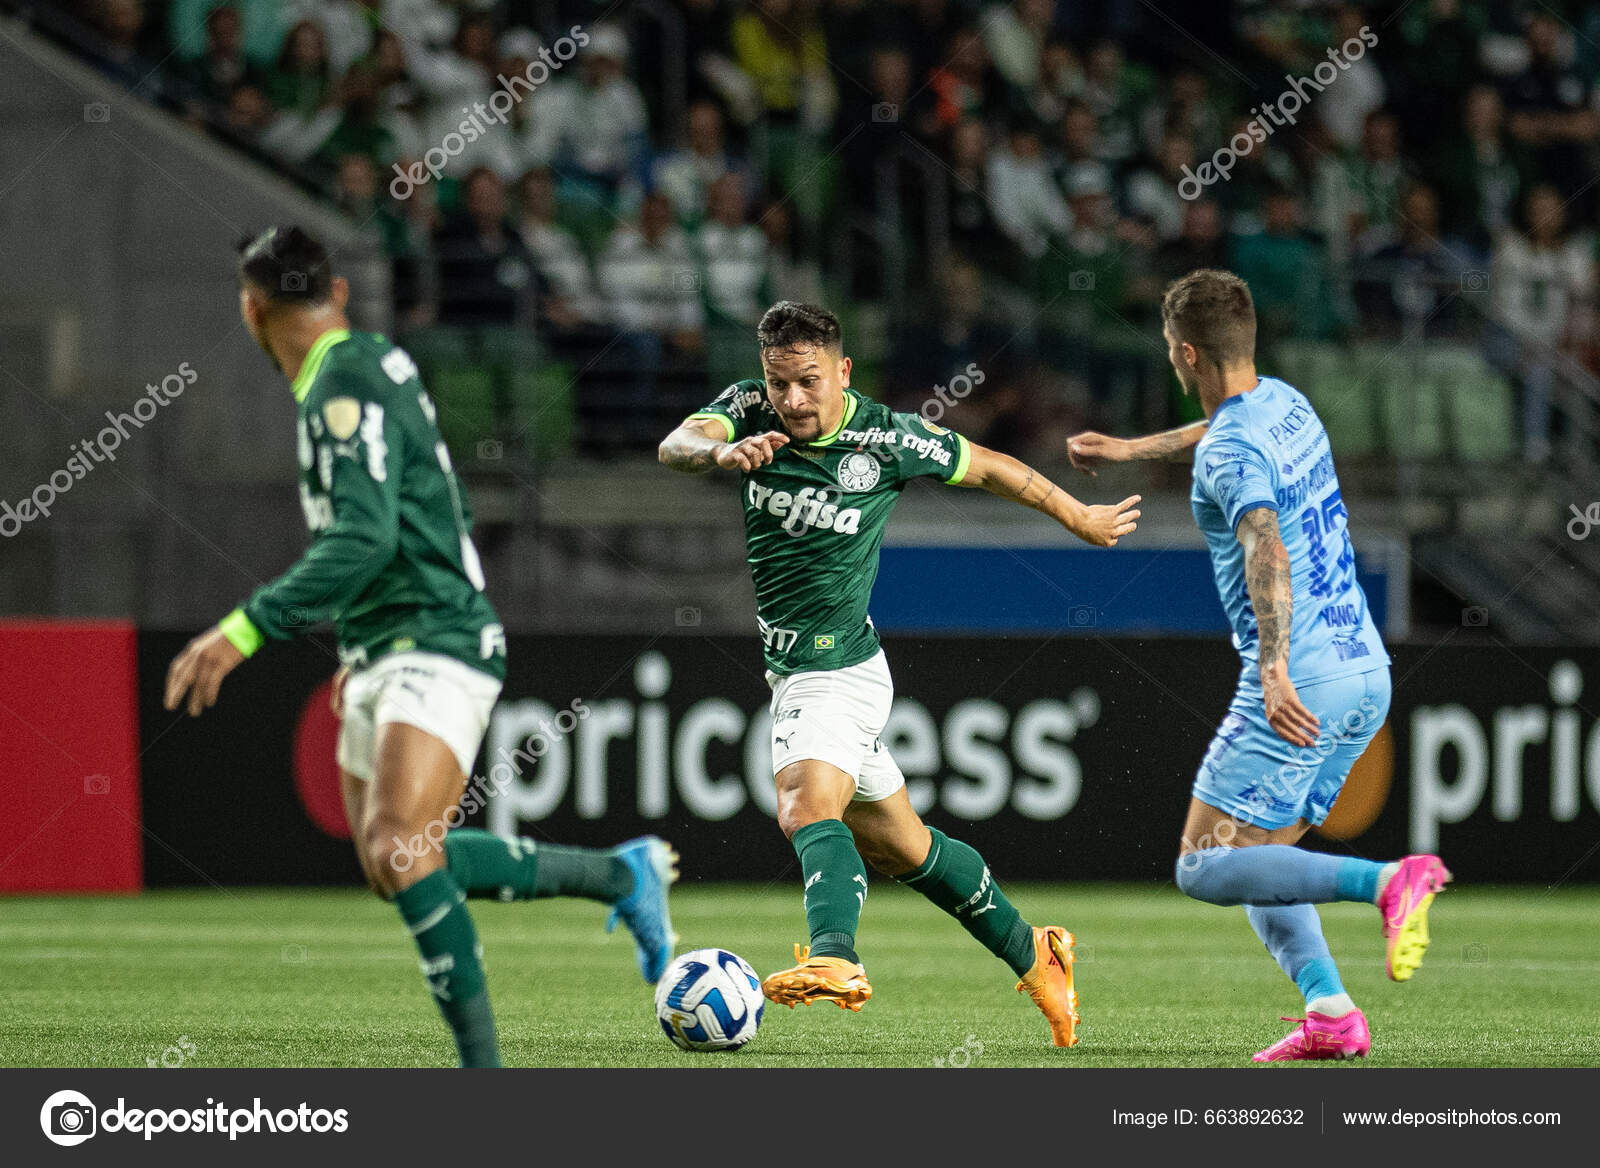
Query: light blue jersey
point(1267, 448)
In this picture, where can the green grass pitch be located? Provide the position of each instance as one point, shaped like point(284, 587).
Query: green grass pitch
point(268, 978)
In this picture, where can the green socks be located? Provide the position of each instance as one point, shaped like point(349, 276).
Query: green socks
point(434, 909)
point(956, 879)
point(484, 864)
point(836, 886)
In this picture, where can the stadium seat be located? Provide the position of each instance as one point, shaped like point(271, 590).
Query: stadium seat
point(465, 396)
point(543, 410)
point(1480, 404)
point(1342, 392)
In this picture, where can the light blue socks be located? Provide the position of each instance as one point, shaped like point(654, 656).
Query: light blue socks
point(1275, 874)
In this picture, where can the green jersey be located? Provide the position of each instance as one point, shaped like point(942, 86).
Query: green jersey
point(391, 558)
point(814, 520)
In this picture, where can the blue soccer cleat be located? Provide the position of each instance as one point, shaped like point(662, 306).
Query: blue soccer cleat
point(654, 864)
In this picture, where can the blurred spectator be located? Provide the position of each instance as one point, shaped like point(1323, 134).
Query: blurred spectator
point(1415, 281)
point(1188, 110)
point(1541, 282)
point(685, 174)
point(1379, 174)
point(1028, 206)
point(528, 138)
point(874, 125)
point(781, 46)
point(359, 193)
point(962, 85)
point(733, 253)
point(261, 26)
point(1288, 275)
point(1015, 35)
point(960, 345)
point(1152, 190)
point(972, 228)
point(300, 79)
point(922, 27)
point(347, 27)
point(364, 126)
point(1482, 171)
point(1549, 105)
point(652, 290)
point(1343, 106)
point(708, 47)
point(452, 80)
point(650, 280)
point(598, 118)
point(1082, 157)
point(128, 47)
point(556, 253)
point(791, 273)
point(1439, 50)
point(1355, 198)
point(783, 49)
point(1265, 170)
point(1115, 90)
point(1200, 244)
point(486, 275)
point(246, 117)
point(211, 76)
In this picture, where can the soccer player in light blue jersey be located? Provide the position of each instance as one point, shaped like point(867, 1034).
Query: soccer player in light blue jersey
point(1313, 688)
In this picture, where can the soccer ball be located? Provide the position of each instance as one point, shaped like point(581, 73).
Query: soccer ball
point(709, 999)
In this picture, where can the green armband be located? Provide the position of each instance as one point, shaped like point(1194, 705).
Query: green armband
point(963, 460)
point(241, 632)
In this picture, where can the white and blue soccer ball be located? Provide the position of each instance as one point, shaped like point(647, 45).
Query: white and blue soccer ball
point(709, 999)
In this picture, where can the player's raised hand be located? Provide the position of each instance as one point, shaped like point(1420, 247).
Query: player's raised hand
point(1286, 714)
point(1105, 523)
point(198, 671)
point(749, 453)
point(1091, 449)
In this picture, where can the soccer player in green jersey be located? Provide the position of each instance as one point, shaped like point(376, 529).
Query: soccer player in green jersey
point(392, 563)
point(821, 467)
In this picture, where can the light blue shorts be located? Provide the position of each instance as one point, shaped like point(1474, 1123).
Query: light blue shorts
point(1258, 778)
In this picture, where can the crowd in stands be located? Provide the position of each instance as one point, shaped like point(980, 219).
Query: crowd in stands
point(1008, 183)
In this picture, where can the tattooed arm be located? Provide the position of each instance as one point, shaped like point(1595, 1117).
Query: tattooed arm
point(1002, 475)
point(1267, 579)
point(697, 446)
point(1091, 448)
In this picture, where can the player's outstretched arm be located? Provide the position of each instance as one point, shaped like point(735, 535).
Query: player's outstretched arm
point(1000, 474)
point(1267, 578)
point(698, 445)
point(1091, 448)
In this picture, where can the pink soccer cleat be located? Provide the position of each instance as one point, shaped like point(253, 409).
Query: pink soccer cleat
point(1320, 1037)
point(1404, 904)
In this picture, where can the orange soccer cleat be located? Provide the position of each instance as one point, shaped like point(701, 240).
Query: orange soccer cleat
point(1049, 983)
point(818, 979)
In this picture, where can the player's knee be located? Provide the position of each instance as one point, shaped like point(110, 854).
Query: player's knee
point(392, 862)
point(1196, 875)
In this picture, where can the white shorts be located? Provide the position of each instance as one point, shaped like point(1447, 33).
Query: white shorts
point(430, 691)
point(837, 716)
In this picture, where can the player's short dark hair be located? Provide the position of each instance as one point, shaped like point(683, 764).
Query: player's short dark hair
point(1213, 311)
point(791, 325)
point(286, 265)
